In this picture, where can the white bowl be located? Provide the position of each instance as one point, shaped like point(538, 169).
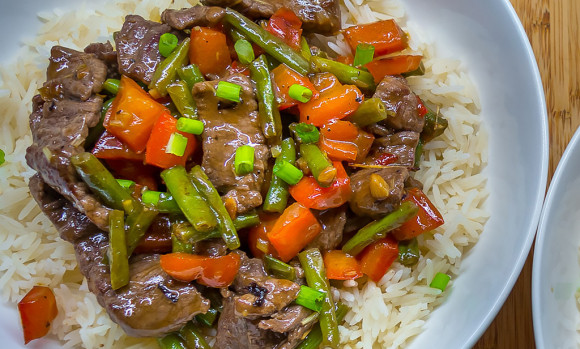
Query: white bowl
point(489, 38)
point(556, 269)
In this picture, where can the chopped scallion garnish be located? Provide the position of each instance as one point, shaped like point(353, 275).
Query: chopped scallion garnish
point(440, 281)
point(364, 54)
point(287, 172)
point(167, 43)
point(190, 126)
point(300, 93)
point(2, 155)
point(125, 183)
point(245, 51)
point(112, 86)
point(244, 160)
point(177, 144)
point(305, 133)
point(151, 197)
point(229, 91)
point(310, 298)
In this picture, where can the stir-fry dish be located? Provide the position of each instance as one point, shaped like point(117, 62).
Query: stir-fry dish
point(223, 169)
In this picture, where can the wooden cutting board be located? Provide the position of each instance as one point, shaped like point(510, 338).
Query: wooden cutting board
point(552, 27)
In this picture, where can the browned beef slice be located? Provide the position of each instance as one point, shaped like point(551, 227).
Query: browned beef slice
point(395, 92)
point(364, 204)
point(401, 144)
point(318, 16)
point(60, 123)
point(138, 47)
point(235, 331)
point(333, 222)
point(228, 127)
point(203, 16)
point(259, 294)
point(289, 321)
point(105, 53)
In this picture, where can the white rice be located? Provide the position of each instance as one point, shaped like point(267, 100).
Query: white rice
point(384, 315)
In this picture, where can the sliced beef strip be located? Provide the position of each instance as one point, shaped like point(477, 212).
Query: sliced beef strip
point(363, 203)
point(105, 53)
point(395, 92)
point(235, 331)
point(286, 320)
point(401, 144)
point(203, 16)
point(333, 222)
point(318, 16)
point(228, 127)
point(257, 293)
point(138, 47)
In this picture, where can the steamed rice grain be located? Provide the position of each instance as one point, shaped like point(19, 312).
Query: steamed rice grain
point(387, 314)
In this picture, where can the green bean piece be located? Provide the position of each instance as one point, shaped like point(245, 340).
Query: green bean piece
point(321, 168)
point(279, 269)
point(417, 72)
point(246, 220)
point(371, 110)
point(102, 182)
point(315, 274)
point(409, 252)
point(207, 319)
point(138, 222)
point(273, 45)
point(181, 96)
point(236, 35)
point(189, 200)
point(378, 229)
point(193, 338)
point(112, 86)
point(305, 49)
point(167, 204)
point(117, 252)
point(267, 105)
point(345, 73)
point(96, 131)
point(418, 153)
point(314, 337)
point(304, 133)
point(191, 75)
point(166, 72)
point(180, 246)
point(186, 232)
point(171, 341)
point(2, 157)
point(435, 125)
point(277, 196)
point(207, 190)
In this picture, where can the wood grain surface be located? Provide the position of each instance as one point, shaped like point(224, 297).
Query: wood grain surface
point(552, 27)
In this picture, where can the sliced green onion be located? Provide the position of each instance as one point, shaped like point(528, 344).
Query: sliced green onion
point(208, 318)
point(310, 298)
point(244, 160)
point(112, 86)
point(177, 144)
point(151, 197)
point(125, 183)
point(229, 91)
point(288, 172)
point(279, 269)
point(190, 126)
point(305, 133)
point(300, 93)
point(167, 43)
point(364, 54)
point(440, 281)
point(245, 51)
point(2, 155)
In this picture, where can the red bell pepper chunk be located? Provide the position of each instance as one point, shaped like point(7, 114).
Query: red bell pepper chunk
point(208, 271)
point(340, 265)
point(155, 155)
point(333, 104)
point(236, 67)
point(135, 171)
point(295, 229)
point(287, 26)
point(421, 108)
point(397, 65)
point(338, 140)
point(377, 258)
point(258, 237)
point(37, 310)
point(364, 142)
point(111, 147)
point(285, 77)
point(428, 217)
point(386, 159)
point(209, 50)
point(132, 116)
point(386, 36)
point(310, 194)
